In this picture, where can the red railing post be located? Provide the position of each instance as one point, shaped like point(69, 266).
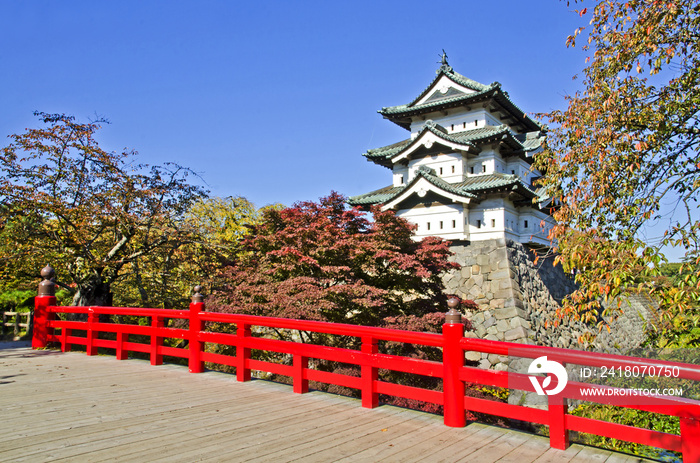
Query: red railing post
point(369, 375)
point(46, 296)
point(690, 439)
point(196, 346)
point(122, 339)
point(242, 353)
point(92, 333)
point(65, 343)
point(300, 384)
point(156, 341)
point(452, 360)
point(557, 406)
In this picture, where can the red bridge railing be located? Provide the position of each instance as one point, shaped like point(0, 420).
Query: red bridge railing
point(452, 370)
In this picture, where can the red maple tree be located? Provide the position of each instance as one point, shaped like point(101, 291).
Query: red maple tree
point(324, 261)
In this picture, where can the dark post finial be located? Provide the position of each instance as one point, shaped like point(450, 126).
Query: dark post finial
point(453, 316)
point(197, 297)
point(47, 287)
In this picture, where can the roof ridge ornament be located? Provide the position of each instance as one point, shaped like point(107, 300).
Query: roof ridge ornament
point(426, 170)
point(431, 124)
point(444, 66)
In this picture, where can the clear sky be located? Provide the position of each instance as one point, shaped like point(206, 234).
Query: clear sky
point(272, 100)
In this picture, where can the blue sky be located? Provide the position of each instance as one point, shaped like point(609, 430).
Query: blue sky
point(275, 101)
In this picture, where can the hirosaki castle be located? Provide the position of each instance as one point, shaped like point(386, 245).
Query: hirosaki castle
point(465, 172)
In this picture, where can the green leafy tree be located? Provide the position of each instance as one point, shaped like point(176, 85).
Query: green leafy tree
point(223, 224)
point(624, 156)
point(96, 216)
point(166, 277)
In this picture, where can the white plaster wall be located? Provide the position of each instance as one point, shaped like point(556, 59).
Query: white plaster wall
point(536, 231)
point(461, 120)
point(451, 216)
point(445, 161)
point(399, 172)
point(488, 159)
point(487, 220)
point(523, 170)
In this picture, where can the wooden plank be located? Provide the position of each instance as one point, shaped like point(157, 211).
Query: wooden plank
point(474, 437)
point(590, 454)
point(122, 405)
point(556, 455)
point(266, 437)
point(135, 442)
point(427, 429)
point(80, 408)
point(184, 413)
point(342, 446)
point(622, 458)
point(495, 449)
point(529, 450)
point(307, 440)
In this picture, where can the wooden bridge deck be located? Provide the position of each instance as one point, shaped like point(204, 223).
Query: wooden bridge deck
point(70, 407)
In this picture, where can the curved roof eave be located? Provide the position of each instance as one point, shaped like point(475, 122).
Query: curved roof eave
point(450, 142)
point(439, 187)
point(455, 77)
point(399, 114)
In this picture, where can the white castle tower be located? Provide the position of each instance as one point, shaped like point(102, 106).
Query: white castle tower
point(465, 172)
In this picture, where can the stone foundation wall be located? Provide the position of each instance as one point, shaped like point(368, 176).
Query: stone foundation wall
point(518, 301)
point(487, 277)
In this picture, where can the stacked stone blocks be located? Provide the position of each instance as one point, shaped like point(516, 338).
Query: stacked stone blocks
point(518, 299)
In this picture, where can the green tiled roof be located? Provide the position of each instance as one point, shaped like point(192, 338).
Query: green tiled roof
point(470, 137)
point(376, 197)
point(455, 77)
point(387, 151)
point(472, 187)
point(440, 183)
point(386, 194)
point(530, 141)
point(408, 109)
point(398, 114)
point(488, 182)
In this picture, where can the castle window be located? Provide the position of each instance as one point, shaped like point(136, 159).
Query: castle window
point(526, 224)
point(453, 127)
point(471, 169)
point(493, 223)
point(441, 225)
point(483, 168)
point(512, 172)
point(464, 125)
point(478, 224)
point(428, 225)
point(453, 169)
point(454, 224)
point(476, 123)
point(440, 170)
point(402, 180)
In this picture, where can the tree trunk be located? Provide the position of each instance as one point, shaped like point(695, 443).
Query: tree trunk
point(93, 293)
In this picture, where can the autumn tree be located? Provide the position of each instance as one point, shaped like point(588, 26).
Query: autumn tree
point(222, 224)
point(96, 216)
point(324, 261)
point(623, 156)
